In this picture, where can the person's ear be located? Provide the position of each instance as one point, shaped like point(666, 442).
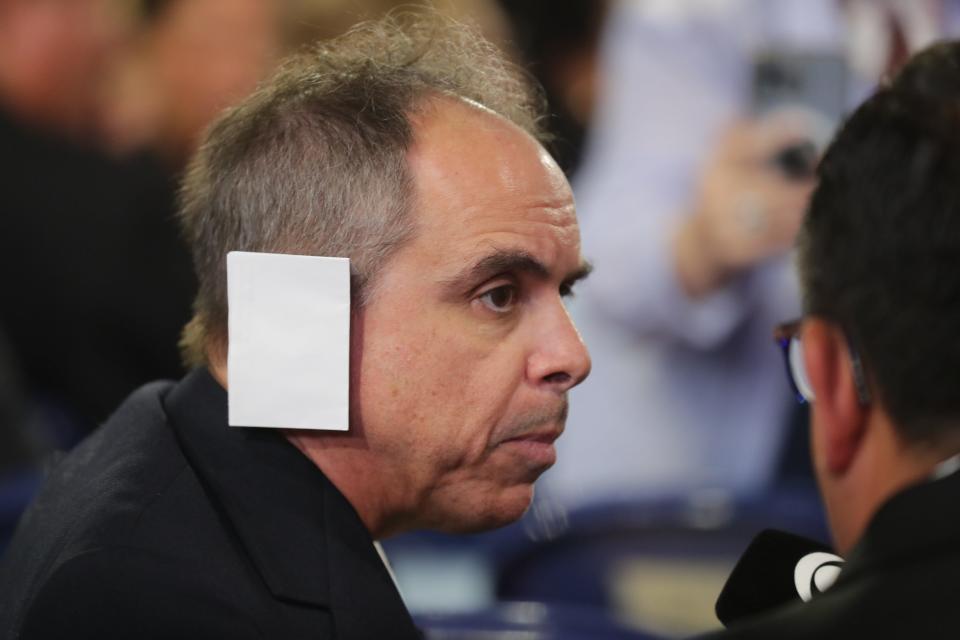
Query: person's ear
point(837, 410)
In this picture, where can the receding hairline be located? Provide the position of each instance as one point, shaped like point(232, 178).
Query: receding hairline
point(437, 110)
point(373, 87)
point(432, 101)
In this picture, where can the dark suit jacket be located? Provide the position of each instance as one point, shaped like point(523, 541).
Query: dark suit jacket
point(167, 523)
point(901, 581)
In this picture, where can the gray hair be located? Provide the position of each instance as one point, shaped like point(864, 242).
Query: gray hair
point(314, 162)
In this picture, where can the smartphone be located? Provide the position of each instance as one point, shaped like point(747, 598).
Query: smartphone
point(810, 80)
point(813, 81)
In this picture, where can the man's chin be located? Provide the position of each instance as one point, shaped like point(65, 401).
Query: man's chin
point(498, 512)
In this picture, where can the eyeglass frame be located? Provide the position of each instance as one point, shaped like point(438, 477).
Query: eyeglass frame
point(787, 336)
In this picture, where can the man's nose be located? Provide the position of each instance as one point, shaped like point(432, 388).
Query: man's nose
point(560, 359)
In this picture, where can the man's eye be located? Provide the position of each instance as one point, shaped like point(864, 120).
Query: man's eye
point(501, 299)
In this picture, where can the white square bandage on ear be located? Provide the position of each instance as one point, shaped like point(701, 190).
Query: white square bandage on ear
point(288, 362)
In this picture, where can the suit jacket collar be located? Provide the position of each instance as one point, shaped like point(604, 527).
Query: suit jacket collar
point(918, 521)
point(301, 533)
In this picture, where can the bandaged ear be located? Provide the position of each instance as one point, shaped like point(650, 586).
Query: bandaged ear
point(288, 356)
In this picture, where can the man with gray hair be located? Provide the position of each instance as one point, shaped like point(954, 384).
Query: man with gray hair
point(410, 147)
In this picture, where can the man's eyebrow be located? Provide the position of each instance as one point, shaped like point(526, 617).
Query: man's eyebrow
point(511, 261)
point(581, 272)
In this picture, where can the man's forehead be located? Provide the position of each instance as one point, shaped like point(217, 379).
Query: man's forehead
point(458, 144)
point(484, 186)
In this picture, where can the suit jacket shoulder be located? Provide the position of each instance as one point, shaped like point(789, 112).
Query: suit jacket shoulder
point(168, 523)
point(899, 582)
point(100, 594)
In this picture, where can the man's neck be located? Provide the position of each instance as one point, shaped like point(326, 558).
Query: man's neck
point(886, 466)
point(341, 456)
point(346, 460)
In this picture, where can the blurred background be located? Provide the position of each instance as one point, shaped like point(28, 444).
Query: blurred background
point(689, 130)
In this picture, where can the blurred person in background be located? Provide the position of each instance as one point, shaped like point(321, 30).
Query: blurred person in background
point(559, 43)
point(15, 449)
point(95, 281)
point(54, 56)
point(691, 194)
point(189, 59)
point(877, 356)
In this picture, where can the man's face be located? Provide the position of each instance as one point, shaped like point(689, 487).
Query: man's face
point(466, 351)
point(61, 48)
point(208, 54)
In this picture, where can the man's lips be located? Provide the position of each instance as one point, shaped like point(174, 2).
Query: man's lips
point(545, 436)
point(530, 439)
point(535, 447)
